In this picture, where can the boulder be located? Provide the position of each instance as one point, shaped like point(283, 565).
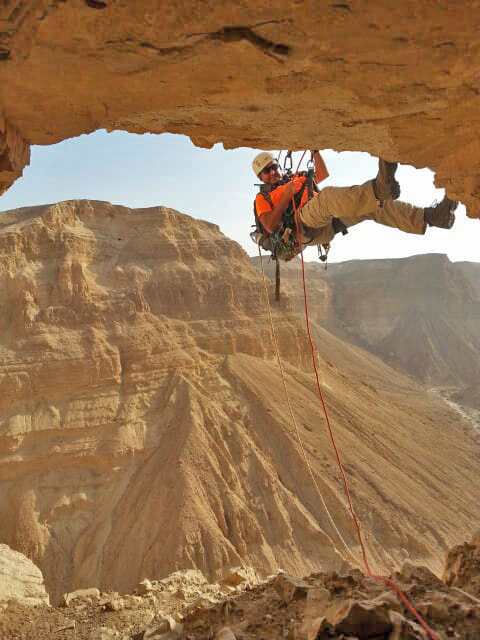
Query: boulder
point(113, 605)
point(239, 575)
point(79, 594)
point(20, 579)
point(290, 588)
point(144, 587)
point(167, 629)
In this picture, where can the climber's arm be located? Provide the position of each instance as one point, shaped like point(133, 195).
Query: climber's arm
point(273, 219)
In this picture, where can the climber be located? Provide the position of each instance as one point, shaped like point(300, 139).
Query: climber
point(322, 213)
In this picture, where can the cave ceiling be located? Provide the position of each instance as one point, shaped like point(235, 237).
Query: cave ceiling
point(399, 80)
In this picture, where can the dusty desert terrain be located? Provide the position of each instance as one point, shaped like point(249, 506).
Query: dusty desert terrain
point(143, 416)
point(240, 607)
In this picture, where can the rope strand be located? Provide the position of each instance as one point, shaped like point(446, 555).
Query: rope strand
point(388, 581)
point(292, 415)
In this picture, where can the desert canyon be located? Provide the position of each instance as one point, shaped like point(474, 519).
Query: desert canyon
point(152, 484)
point(144, 423)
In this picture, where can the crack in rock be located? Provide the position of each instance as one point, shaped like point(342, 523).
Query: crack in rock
point(165, 51)
point(96, 4)
point(236, 34)
point(227, 35)
point(341, 6)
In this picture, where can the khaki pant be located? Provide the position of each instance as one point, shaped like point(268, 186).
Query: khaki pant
point(353, 205)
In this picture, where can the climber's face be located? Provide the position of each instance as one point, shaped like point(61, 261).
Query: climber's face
point(270, 174)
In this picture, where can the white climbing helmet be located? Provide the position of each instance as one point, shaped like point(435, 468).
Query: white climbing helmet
point(261, 160)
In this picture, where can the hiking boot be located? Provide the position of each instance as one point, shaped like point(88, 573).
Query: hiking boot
point(385, 187)
point(441, 214)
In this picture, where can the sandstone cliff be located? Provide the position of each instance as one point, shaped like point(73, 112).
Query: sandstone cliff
point(398, 80)
point(419, 314)
point(138, 434)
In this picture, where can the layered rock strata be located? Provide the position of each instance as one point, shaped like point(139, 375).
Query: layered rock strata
point(419, 314)
point(143, 421)
point(399, 81)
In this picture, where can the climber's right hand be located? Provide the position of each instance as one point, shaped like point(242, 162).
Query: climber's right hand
point(290, 189)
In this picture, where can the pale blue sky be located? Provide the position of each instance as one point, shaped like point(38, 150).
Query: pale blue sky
point(218, 185)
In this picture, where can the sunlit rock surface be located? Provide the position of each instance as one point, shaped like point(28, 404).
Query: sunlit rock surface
point(399, 80)
point(144, 426)
point(419, 314)
point(20, 580)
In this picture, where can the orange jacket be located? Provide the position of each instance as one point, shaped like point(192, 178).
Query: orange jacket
point(262, 205)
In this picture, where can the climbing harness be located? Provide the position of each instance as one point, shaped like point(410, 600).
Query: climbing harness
point(284, 243)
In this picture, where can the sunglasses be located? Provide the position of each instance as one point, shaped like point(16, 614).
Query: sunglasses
point(271, 167)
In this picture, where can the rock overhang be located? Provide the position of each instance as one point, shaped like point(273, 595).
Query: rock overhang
point(397, 80)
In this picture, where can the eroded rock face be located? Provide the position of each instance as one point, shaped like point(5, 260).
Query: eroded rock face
point(462, 567)
point(20, 580)
point(129, 305)
point(398, 81)
point(143, 416)
point(420, 315)
point(14, 154)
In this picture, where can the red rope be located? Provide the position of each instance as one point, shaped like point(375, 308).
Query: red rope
point(388, 581)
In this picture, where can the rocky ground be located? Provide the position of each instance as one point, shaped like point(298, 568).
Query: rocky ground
point(462, 569)
point(322, 606)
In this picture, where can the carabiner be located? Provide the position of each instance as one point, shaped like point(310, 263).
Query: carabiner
point(288, 163)
point(311, 162)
